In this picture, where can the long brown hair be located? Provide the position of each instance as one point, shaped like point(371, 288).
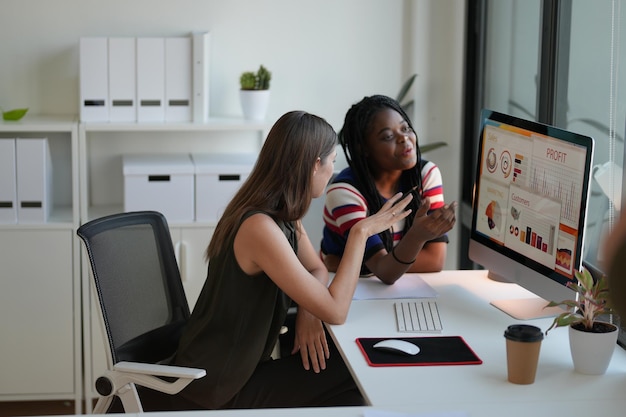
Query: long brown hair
point(280, 182)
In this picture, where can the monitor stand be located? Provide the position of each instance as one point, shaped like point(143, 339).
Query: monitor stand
point(524, 308)
point(527, 308)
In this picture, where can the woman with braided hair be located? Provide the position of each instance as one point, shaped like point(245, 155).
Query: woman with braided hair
point(381, 148)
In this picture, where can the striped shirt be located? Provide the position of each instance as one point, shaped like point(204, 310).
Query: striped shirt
point(345, 205)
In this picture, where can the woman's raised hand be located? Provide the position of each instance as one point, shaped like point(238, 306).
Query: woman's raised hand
point(435, 224)
point(392, 211)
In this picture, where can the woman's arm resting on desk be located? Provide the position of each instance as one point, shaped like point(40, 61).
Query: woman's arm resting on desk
point(431, 258)
point(310, 338)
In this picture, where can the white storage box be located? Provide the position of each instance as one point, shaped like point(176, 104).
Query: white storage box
point(218, 177)
point(162, 183)
point(34, 180)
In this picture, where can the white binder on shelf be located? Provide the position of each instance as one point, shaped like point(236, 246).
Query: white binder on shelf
point(200, 56)
point(178, 79)
point(122, 80)
point(8, 183)
point(93, 73)
point(34, 180)
point(150, 79)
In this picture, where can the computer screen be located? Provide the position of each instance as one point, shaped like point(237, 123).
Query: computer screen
point(528, 212)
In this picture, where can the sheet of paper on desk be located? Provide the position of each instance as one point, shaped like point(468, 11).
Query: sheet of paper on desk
point(408, 286)
point(381, 413)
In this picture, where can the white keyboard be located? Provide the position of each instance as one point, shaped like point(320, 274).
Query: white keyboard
point(418, 316)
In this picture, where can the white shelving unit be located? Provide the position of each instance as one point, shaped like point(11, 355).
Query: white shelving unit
point(101, 146)
point(40, 286)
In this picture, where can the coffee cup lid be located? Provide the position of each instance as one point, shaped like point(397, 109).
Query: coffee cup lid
point(523, 333)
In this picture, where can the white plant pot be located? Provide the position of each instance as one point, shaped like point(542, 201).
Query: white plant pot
point(592, 352)
point(254, 103)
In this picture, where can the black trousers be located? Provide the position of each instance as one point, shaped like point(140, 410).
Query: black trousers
point(285, 383)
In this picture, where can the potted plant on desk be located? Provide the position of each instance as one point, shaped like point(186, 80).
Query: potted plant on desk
point(255, 93)
point(592, 341)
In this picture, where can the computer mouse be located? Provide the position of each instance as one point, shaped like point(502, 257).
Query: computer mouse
point(397, 346)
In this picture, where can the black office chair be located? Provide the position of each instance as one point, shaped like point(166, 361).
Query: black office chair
point(144, 309)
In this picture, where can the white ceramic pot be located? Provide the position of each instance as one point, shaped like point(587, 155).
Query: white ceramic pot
point(592, 352)
point(254, 103)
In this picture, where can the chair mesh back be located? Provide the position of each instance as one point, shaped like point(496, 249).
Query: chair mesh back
point(138, 284)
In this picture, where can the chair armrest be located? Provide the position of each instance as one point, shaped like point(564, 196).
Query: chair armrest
point(121, 381)
point(159, 370)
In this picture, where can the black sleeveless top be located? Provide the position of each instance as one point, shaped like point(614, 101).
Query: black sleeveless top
point(233, 327)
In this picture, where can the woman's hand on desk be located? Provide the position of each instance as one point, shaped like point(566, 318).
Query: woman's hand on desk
point(310, 339)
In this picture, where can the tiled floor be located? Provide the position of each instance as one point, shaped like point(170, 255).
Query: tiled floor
point(36, 408)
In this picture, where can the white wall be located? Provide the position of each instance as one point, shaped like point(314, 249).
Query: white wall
point(437, 55)
point(324, 56)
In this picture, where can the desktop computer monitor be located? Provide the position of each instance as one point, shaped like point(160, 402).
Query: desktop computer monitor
point(528, 212)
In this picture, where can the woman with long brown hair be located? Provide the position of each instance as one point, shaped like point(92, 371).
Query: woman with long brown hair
point(260, 259)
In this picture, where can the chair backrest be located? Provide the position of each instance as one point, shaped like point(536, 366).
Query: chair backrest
point(138, 283)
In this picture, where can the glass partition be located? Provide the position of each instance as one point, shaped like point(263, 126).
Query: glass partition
point(596, 101)
point(559, 62)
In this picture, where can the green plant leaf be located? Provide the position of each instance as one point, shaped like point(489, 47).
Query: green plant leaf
point(593, 301)
point(567, 303)
point(408, 107)
point(15, 114)
point(585, 278)
point(405, 88)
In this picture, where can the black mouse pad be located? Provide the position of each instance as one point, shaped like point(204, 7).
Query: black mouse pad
point(434, 350)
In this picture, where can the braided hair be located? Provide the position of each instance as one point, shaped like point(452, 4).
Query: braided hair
point(352, 138)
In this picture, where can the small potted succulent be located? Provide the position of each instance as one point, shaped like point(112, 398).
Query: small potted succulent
point(592, 340)
point(255, 93)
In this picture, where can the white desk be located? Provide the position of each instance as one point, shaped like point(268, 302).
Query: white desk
point(479, 390)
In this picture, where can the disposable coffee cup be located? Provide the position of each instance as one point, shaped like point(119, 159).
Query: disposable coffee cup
point(523, 342)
